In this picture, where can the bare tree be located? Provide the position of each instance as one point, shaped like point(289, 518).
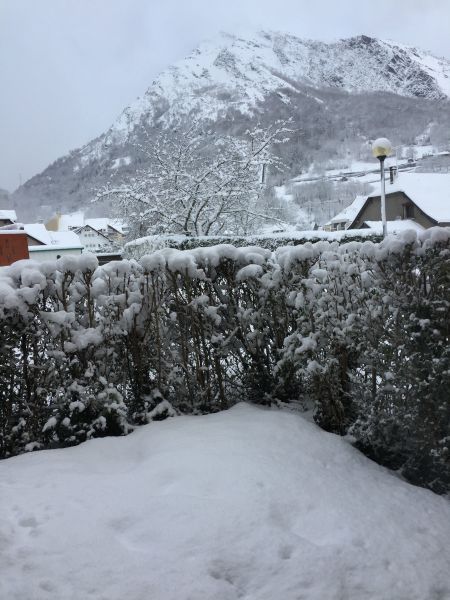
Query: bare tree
point(199, 183)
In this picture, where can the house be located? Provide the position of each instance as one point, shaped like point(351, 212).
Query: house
point(92, 239)
point(112, 228)
point(95, 233)
point(48, 245)
point(346, 216)
point(423, 199)
point(7, 217)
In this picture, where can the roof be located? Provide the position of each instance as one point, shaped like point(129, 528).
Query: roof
point(48, 248)
point(72, 221)
point(8, 214)
point(37, 231)
point(429, 191)
point(394, 226)
point(65, 239)
point(56, 239)
point(76, 220)
point(80, 229)
point(102, 224)
point(117, 224)
point(350, 213)
point(99, 224)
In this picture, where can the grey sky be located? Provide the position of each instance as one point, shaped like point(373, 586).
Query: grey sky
point(69, 67)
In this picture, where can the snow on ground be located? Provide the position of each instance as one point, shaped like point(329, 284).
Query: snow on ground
point(120, 162)
point(426, 150)
point(352, 168)
point(248, 503)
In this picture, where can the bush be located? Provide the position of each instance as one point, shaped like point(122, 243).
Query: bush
point(358, 331)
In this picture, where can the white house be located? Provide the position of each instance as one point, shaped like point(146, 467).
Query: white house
point(92, 240)
point(95, 234)
point(112, 228)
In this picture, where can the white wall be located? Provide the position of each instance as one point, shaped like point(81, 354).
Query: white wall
point(91, 240)
point(42, 253)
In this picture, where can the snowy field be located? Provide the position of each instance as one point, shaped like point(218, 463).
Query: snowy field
point(248, 503)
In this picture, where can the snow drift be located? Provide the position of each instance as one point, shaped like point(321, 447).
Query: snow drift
point(248, 503)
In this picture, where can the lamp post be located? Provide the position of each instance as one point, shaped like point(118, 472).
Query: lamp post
point(381, 148)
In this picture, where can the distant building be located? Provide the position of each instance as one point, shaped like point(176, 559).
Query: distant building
point(40, 243)
point(95, 233)
point(392, 226)
point(113, 228)
point(13, 247)
point(7, 217)
point(421, 199)
point(48, 245)
point(92, 240)
point(346, 216)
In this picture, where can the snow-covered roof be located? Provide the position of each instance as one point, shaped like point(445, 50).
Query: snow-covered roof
point(118, 224)
point(99, 224)
point(71, 221)
point(65, 239)
point(8, 214)
point(38, 231)
point(90, 227)
point(349, 213)
point(56, 239)
point(77, 221)
point(429, 191)
point(394, 226)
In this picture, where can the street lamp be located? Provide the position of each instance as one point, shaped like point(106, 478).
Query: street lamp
point(380, 149)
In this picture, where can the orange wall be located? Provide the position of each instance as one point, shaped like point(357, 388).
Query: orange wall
point(13, 246)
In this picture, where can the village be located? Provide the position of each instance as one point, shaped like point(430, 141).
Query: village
point(417, 198)
point(70, 234)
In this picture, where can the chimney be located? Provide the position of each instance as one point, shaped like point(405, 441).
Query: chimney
point(392, 174)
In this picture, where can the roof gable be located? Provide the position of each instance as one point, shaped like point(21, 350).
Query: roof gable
point(89, 227)
point(430, 192)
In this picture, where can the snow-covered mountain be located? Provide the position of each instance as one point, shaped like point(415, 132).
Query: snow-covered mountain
point(233, 78)
point(235, 72)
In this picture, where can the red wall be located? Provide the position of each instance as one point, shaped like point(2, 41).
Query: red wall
point(13, 246)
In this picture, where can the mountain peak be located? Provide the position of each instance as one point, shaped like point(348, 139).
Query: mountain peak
point(241, 70)
point(232, 78)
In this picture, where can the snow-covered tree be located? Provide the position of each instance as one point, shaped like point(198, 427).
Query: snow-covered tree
point(199, 183)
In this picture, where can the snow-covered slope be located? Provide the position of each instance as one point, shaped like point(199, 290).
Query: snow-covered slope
point(248, 503)
point(231, 81)
point(236, 72)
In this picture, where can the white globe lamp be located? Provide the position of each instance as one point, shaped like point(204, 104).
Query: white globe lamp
point(381, 148)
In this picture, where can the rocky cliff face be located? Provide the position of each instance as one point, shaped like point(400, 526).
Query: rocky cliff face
point(232, 80)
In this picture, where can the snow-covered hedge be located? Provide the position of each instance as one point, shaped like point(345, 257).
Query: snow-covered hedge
point(145, 245)
point(359, 329)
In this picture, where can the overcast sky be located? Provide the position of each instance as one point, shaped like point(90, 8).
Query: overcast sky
point(69, 67)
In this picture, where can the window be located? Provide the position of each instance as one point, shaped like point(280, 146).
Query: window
point(408, 211)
